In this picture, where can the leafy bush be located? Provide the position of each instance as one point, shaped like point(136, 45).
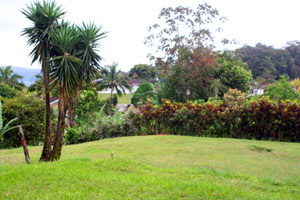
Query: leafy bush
point(234, 101)
point(261, 119)
point(282, 90)
point(234, 117)
point(88, 105)
point(145, 91)
point(7, 92)
point(31, 114)
point(72, 135)
point(105, 126)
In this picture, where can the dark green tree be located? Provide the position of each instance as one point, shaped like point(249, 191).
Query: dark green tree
point(268, 64)
point(143, 72)
point(232, 73)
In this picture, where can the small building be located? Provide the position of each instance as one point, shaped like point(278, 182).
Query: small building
point(256, 91)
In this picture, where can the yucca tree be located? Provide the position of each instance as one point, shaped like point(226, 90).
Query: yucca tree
point(44, 17)
point(76, 63)
point(64, 73)
point(7, 76)
point(114, 79)
point(86, 50)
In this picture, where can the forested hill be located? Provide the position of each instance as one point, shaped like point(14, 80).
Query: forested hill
point(268, 63)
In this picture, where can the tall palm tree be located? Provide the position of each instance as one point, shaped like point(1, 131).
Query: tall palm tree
point(44, 17)
point(76, 63)
point(114, 79)
point(7, 76)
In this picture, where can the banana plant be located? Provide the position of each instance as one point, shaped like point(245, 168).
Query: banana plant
point(9, 126)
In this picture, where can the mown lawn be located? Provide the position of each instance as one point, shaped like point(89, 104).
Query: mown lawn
point(124, 99)
point(156, 167)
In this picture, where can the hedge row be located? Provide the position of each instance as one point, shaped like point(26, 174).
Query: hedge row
point(260, 119)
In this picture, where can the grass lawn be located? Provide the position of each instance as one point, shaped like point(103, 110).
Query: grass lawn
point(124, 99)
point(156, 167)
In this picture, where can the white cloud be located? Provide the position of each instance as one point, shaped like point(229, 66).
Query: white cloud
point(273, 22)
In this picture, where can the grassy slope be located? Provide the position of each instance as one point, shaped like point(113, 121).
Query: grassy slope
point(161, 167)
point(124, 99)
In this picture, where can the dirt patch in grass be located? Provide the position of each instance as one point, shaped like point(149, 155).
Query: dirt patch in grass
point(259, 148)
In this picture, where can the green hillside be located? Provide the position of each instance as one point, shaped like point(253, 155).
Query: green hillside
point(156, 167)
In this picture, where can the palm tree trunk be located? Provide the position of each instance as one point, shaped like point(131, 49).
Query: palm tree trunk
point(58, 142)
point(111, 93)
point(47, 142)
point(71, 122)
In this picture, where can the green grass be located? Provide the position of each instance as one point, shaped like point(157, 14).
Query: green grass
point(156, 167)
point(124, 99)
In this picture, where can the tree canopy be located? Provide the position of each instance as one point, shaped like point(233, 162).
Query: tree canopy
point(143, 72)
point(268, 64)
point(233, 73)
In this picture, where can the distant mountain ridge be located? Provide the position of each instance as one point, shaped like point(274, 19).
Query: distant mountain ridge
point(27, 73)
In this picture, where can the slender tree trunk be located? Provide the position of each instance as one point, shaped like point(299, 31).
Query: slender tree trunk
point(58, 142)
point(71, 122)
point(111, 93)
point(47, 142)
point(23, 141)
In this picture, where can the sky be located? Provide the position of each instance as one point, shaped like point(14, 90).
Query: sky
point(271, 22)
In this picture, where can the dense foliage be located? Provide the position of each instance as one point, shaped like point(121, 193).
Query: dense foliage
point(260, 119)
point(105, 126)
point(232, 73)
point(282, 90)
point(31, 114)
point(7, 92)
point(143, 72)
point(144, 91)
point(268, 64)
point(87, 105)
point(190, 77)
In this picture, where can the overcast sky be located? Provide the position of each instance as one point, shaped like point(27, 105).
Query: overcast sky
point(271, 22)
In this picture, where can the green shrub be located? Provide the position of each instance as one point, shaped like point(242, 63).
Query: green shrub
point(145, 91)
point(281, 90)
point(88, 105)
point(105, 126)
point(30, 111)
point(7, 92)
point(72, 135)
point(261, 119)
